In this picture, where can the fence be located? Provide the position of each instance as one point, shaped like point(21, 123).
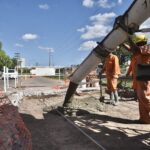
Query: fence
point(18, 77)
point(6, 75)
point(18, 83)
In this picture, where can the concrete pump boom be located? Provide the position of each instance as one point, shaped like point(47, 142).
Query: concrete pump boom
point(124, 25)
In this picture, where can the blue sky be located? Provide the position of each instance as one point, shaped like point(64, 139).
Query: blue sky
point(67, 28)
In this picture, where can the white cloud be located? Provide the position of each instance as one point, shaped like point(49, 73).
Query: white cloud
point(44, 6)
point(88, 3)
point(100, 26)
point(120, 1)
point(95, 31)
point(101, 3)
point(46, 48)
point(106, 4)
point(146, 24)
point(81, 30)
point(29, 36)
point(88, 45)
point(102, 18)
point(18, 45)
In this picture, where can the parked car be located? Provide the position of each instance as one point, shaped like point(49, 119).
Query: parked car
point(12, 74)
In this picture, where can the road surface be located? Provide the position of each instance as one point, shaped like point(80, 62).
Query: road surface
point(32, 82)
point(39, 82)
point(11, 83)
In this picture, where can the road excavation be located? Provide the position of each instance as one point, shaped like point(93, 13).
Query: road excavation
point(63, 115)
point(92, 125)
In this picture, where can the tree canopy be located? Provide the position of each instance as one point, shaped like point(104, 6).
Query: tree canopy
point(5, 60)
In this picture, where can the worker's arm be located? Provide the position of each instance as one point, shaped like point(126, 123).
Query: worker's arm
point(129, 70)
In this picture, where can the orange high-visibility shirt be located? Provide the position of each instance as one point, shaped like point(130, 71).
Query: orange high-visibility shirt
point(143, 87)
point(111, 66)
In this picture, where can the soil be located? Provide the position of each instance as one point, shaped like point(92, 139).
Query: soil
point(94, 125)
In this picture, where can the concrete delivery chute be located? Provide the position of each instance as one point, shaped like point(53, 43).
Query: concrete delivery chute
point(124, 25)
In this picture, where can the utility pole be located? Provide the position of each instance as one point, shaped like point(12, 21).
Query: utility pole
point(49, 57)
point(50, 50)
point(17, 57)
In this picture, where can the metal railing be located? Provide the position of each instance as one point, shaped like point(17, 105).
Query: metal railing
point(6, 76)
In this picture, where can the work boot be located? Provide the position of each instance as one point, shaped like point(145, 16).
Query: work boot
point(112, 98)
point(116, 98)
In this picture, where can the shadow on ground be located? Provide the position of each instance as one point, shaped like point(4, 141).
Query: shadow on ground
point(55, 133)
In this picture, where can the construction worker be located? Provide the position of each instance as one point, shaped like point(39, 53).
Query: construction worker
point(98, 69)
point(131, 71)
point(112, 69)
point(139, 46)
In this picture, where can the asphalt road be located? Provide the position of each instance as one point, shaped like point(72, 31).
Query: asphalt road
point(32, 82)
point(39, 82)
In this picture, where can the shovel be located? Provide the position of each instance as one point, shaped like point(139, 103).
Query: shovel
point(101, 99)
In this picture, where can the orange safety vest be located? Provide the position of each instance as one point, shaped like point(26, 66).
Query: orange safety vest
point(111, 66)
point(112, 69)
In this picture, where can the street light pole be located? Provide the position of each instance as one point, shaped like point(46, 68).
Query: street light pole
point(49, 57)
point(17, 57)
point(50, 50)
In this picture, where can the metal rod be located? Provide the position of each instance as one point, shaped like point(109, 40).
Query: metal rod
point(4, 76)
point(89, 137)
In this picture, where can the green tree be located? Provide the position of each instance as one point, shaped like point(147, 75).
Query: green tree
point(123, 55)
point(5, 60)
point(0, 45)
point(14, 62)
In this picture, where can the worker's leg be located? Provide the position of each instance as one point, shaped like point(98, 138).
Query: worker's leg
point(112, 95)
point(144, 111)
point(143, 91)
point(113, 99)
point(111, 89)
point(108, 87)
point(113, 83)
point(116, 96)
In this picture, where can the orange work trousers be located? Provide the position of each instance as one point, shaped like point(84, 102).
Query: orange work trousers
point(112, 84)
point(143, 92)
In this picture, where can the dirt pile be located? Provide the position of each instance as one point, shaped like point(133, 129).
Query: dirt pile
point(13, 132)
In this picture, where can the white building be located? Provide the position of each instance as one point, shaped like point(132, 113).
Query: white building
point(22, 62)
point(43, 71)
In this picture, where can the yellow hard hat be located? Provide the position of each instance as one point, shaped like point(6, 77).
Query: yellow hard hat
point(139, 38)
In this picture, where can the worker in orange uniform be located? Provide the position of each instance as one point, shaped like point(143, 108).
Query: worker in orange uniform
point(143, 82)
point(132, 72)
point(112, 69)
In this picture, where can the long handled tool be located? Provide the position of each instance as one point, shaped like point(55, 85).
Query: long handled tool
point(101, 99)
point(123, 87)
